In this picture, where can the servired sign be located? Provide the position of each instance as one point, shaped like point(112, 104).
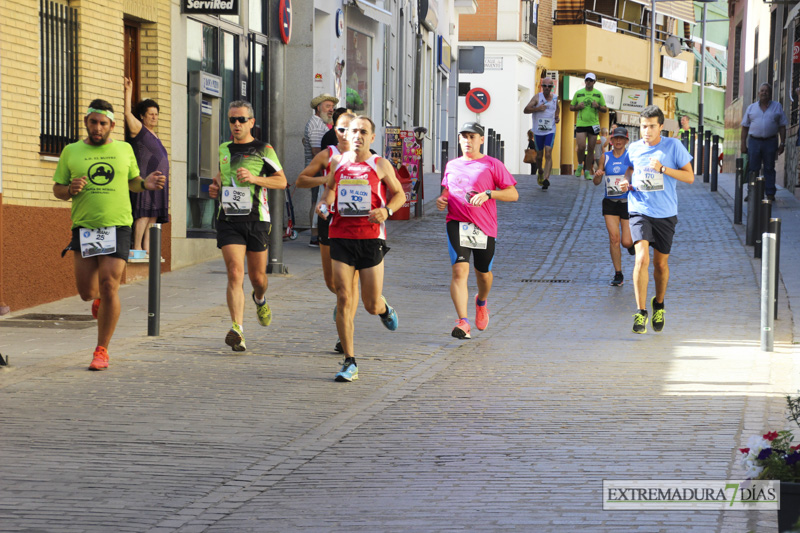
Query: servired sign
point(210, 7)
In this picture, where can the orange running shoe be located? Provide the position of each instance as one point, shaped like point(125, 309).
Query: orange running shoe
point(95, 308)
point(100, 359)
point(481, 315)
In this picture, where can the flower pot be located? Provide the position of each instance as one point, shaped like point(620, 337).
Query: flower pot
point(789, 513)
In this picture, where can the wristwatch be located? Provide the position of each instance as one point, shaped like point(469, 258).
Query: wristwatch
point(389, 210)
point(663, 169)
point(488, 193)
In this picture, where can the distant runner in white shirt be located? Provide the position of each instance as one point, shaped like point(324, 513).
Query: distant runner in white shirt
point(545, 114)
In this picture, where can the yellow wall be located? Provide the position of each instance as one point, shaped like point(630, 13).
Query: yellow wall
point(614, 56)
point(27, 177)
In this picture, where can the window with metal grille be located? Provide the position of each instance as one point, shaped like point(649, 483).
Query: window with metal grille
point(59, 76)
point(737, 57)
point(530, 21)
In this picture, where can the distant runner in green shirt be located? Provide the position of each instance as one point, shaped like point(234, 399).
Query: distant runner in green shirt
point(97, 174)
point(589, 103)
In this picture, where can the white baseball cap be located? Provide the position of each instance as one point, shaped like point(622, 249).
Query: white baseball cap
point(590, 76)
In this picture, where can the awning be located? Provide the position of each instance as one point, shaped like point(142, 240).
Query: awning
point(677, 9)
point(374, 12)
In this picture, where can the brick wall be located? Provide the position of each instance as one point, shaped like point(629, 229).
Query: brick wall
point(482, 26)
point(545, 37)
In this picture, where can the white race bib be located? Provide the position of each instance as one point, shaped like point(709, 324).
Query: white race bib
point(236, 200)
point(471, 236)
point(544, 124)
point(612, 185)
point(648, 180)
point(355, 197)
point(100, 241)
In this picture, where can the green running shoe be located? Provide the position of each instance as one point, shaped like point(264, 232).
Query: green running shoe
point(587, 175)
point(640, 322)
point(658, 316)
point(263, 311)
point(235, 338)
point(579, 172)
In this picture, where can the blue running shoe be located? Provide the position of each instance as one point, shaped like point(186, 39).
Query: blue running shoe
point(349, 371)
point(391, 321)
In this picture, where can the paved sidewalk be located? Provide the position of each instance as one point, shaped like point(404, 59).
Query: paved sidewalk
point(514, 429)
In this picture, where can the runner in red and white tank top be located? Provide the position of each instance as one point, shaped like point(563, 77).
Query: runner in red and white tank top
point(315, 174)
point(357, 232)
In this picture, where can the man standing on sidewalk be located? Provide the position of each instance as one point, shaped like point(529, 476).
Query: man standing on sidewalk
point(762, 123)
point(472, 185)
point(545, 114)
point(248, 167)
point(96, 174)
point(317, 126)
point(659, 163)
point(589, 103)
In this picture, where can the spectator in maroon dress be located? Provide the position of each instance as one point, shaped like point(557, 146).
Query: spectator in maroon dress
point(150, 206)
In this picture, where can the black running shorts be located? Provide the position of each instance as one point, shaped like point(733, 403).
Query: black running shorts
point(460, 254)
point(657, 231)
point(123, 242)
point(358, 253)
point(253, 234)
point(615, 208)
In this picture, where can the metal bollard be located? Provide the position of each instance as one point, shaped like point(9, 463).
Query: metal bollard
point(699, 159)
point(684, 136)
point(445, 158)
point(752, 215)
point(692, 141)
point(707, 157)
point(502, 152)
point(767, 293)
point(714, 164)
point(154, 282)
point(775, 229)
point(737, 191)
point(764, 214)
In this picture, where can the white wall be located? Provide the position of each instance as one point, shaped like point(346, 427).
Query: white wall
point(510, 89)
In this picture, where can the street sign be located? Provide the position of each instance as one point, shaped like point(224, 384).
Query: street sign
point(478, 100)
point(285, 20)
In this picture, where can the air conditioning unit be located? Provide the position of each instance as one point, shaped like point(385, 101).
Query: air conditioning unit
point(553, 75)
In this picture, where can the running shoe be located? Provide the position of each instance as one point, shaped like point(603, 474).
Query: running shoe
point(314, 243)
point(461, 331)
point(540, 179)
point(658, 316)
point(481, 314)
point(349, 371)
point(640, 322)
point(545, 185)
point(631, 250)
point(263, 311)
point(99, 359)
point(587, 175)
point(338, 348)
point(391, 321)
point(95, 308)
point(618, 280)
point(579, 171)
point(235, 339)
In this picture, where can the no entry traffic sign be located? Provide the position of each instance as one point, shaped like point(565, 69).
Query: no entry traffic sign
point(478, 100)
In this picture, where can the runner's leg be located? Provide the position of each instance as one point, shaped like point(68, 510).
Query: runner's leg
point(660, 274)
point(640, 273)
point(612, 225)
point(257, 271)
point(580, 138)
point(459, 291)
point(548, 154)
point(109, 275)
point(234, 255)
point(343, 275)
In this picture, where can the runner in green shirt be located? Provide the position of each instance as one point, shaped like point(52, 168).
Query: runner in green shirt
point(589, 103)
point(248, 167)
point(97, 174)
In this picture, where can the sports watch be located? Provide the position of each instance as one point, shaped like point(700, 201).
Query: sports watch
point(663, 169)
point(389, 210)
point(488, 193)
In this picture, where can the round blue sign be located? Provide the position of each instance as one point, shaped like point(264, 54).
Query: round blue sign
point(339, 22)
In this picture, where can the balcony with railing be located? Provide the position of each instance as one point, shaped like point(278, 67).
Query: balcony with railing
point(612, 39)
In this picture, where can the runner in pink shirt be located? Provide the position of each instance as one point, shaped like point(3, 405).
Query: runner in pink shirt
point(472, 185)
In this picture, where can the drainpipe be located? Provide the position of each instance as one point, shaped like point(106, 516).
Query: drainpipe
point(4, 309)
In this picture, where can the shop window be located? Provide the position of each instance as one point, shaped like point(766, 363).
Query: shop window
point(59, 76)
point(359, 73)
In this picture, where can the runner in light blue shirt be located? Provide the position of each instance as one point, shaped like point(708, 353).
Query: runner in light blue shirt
point(659, 163)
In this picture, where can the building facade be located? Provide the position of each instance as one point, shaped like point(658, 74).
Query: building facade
point(526, 41)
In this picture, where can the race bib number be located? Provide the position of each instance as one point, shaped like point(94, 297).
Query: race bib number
point(595, 128)
point(648, 180)
point(471, 236)
point(612, 185)
point(355, 198)
point(236, 200)
point(100, 241)
point(545, 124)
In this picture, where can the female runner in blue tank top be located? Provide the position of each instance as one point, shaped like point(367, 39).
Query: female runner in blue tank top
point(615, 165)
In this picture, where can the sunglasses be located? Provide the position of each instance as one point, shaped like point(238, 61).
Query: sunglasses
point(545, 85)
point(341, 130)
point(240, 120)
